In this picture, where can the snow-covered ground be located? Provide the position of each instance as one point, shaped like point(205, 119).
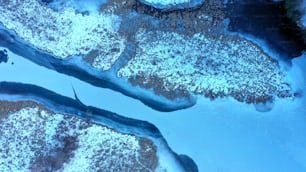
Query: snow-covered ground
point(225, 135)
point(89, 144)
point(199, 63)
point(220, 135)
point(18, 69)
point(65, 33)
point(227, 66)
point(57, 142)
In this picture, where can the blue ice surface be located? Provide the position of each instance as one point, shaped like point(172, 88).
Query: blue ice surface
point(174, 6)
point(223, 135)
point(25, 80)
point(220, 135)
point(79, 5)
point(74, 66)
point(3, 56)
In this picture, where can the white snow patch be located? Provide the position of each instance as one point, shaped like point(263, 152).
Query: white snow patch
point(201, 64)
point(91, 6)
point(101, 147)
point(65, 33)
point(173, 4)
point(32, 135)
point(167, 2)
point(23, 134)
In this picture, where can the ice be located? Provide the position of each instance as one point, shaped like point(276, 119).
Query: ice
point(167, 2)
point(226, 135)
point(25, 71)
point(172, 4)
point(220, 135)
point(81, 6)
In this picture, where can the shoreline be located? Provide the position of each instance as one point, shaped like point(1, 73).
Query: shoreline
point(17, 92)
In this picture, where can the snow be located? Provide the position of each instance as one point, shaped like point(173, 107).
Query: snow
point(23, 69)
point(32, 136)
point(65, 33)
point(166, 160)
point(222, 135)
point(168, 2)
point(15, 134)
point(173, 4)
point(90, 6)
point(91, 95)
point(205, 65)
point(101, 148)
point(225, 135)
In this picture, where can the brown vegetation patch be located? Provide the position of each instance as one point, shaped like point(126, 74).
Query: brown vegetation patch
point(147, 153)
point(158, 85)
point(10, 107)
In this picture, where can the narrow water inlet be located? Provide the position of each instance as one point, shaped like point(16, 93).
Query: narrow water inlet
point(218, 134)
point(207, 126)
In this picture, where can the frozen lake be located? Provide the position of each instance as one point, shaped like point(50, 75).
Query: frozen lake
point(220, 135)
